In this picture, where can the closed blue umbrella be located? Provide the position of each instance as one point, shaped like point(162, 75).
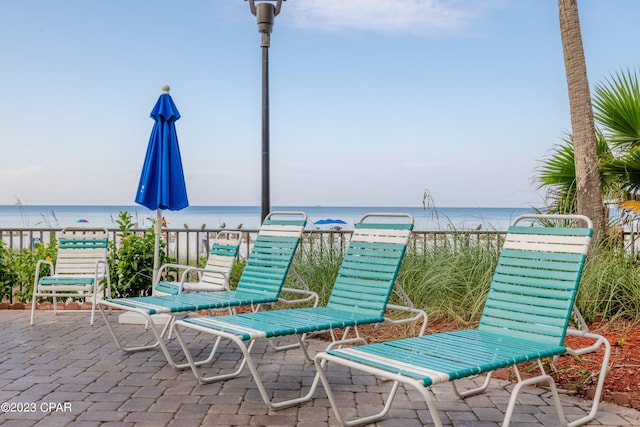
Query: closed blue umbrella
point(162, 183)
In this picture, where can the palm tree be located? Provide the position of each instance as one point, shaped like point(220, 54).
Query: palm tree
point(616, 105)
point(588, 188)
point(617, 109)
point(558, 175)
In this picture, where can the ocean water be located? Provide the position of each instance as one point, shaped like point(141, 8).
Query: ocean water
point(445, 218)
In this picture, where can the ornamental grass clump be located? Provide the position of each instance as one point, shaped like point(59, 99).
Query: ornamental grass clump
point(610, 287)
point(317, 262)
point(450, 282)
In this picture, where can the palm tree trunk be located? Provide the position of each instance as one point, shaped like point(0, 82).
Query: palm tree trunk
point(589, 191)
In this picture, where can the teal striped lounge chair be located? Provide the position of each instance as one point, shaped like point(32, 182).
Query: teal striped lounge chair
point(81, 269)
point(525, 319)
point(261, 283)
point(359, 296)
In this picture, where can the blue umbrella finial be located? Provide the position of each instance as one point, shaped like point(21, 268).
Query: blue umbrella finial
point(166, 89)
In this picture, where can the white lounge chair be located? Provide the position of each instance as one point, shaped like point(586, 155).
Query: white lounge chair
point(81, 269)
point(214, 276)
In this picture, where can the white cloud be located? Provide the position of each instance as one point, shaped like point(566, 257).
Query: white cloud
point(421, 17)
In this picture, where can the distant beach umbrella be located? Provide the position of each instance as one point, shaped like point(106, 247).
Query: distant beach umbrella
point(162, 184)
point(329, 221)
point(82, 220)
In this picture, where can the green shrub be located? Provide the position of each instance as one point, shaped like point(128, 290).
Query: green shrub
point(8, 275)
point(24, 264)
point(131, 259)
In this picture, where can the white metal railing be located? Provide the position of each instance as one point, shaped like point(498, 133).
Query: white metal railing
point(188, 246)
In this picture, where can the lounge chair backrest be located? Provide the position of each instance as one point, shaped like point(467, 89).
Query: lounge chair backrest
point(272, 253)
point(535, 282)
point(80, 249)
point(222, 256)
point(370, 267)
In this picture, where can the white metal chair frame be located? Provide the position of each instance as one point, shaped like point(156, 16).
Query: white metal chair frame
point(80, 271)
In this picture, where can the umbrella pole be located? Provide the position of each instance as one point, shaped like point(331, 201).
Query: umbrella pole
point(156, 249)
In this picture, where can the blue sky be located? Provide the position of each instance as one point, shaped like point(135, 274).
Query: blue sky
point(373, 102)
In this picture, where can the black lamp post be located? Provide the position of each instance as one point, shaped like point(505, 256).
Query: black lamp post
point(265, 12)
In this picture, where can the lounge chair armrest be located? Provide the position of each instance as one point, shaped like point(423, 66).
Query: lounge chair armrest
point(44, 261)
point(417, 314)
point(39, 264)
point(199, 270)
point(167, 266)
point(102, 269)
point(310, 296)
point(346, 341)
point(599, 341)
point(203, 270)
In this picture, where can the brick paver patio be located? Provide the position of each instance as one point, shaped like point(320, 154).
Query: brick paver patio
point(64, 372)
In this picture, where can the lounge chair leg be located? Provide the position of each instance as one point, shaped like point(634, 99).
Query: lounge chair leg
point(191, 363)
point(320, 362)
point(117, 340)
point(292, 402)
point(94, 303)
point(600, 341)
point(534, 380)
point(246, 351)
point(297, 344)
point(159, 339)
point(33, 307)
point(473, 391)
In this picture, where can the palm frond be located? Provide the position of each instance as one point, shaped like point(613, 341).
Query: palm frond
point(616, 104)
point(628, 168)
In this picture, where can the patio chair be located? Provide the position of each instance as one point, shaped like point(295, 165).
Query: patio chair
point(81, 269)
point(525, 319)
point(359, 296)
point(213, 277)
point(261, 283)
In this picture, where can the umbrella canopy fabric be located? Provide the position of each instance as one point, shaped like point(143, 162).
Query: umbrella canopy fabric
point(162, 183)
point(329, 221)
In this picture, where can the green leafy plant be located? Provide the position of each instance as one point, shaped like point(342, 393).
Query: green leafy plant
point(8, 276)
point(24, 265)
point(131, 259)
